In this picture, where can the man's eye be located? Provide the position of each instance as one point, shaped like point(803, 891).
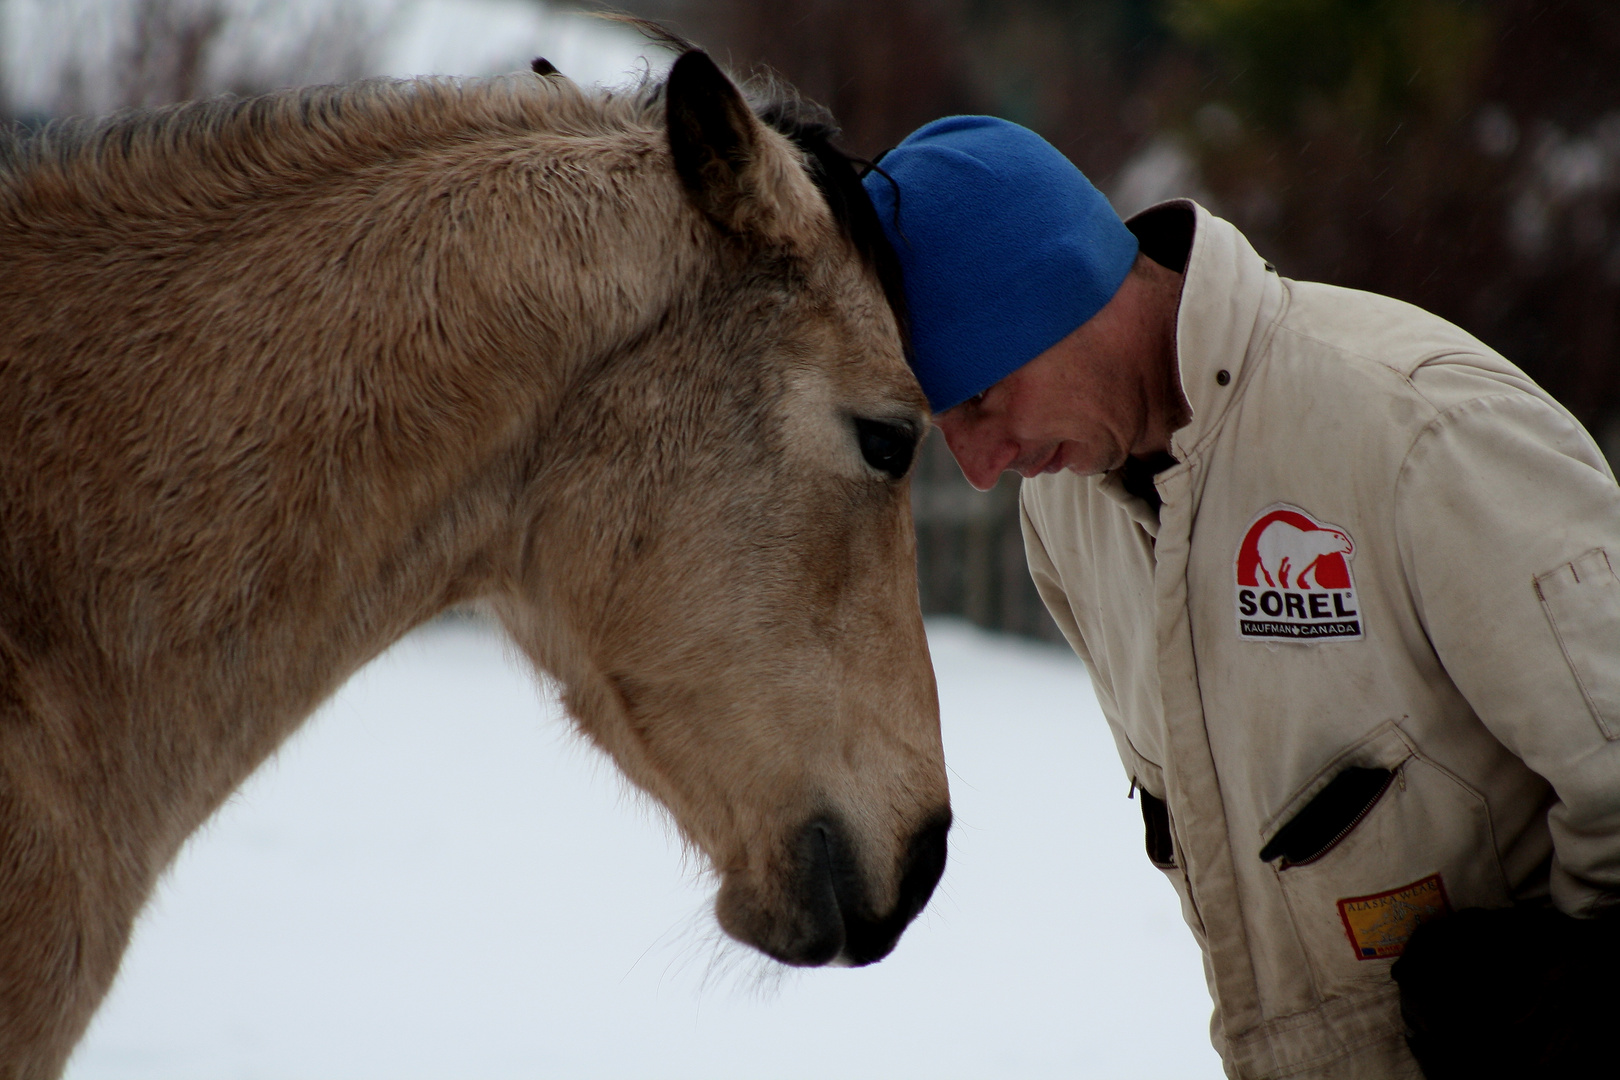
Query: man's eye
point(887, 446)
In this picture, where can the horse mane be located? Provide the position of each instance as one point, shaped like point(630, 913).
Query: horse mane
point(305, 131)
point(232, 145)
point(813, 129)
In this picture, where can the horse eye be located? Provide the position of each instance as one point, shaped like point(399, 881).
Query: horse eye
point(886, 446)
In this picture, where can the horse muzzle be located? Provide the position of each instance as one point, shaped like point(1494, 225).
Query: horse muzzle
point(826, 913)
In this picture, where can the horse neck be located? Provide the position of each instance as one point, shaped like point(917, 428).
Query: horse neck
point(288, 431)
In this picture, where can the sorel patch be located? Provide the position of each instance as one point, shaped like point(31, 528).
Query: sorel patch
point(1380, 925)
point(1293, 579)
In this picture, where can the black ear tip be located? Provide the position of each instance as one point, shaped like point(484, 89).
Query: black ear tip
point(542, 66)
point(694, 64)
point(696, 83)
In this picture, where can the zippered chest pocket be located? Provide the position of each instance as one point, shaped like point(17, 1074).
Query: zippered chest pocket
point(1390, 840)
point(1328, 817)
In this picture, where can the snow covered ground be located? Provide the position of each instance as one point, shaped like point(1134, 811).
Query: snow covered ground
point(436, 879)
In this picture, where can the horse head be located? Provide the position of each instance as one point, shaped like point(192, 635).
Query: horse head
point(719, 562)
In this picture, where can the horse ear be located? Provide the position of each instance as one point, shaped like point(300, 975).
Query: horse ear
point(715, 139)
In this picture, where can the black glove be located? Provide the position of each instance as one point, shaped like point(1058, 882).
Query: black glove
point(1523, 992)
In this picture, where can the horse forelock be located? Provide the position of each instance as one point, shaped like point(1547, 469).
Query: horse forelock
point(814, 131)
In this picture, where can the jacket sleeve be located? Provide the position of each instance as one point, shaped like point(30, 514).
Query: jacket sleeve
point(1508, 522)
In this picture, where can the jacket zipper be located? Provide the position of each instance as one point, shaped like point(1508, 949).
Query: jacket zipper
point(1350, 827)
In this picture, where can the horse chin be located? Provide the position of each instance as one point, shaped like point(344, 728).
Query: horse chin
point(823, 914)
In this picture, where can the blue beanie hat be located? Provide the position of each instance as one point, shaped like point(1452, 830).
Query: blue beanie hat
point(1005, 248)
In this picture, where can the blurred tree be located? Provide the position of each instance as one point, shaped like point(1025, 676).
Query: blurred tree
point(166, 58)
point(1460, 154)
point(1369, 62)
point(1087, 74)
point(6, 113)
point(95, 56)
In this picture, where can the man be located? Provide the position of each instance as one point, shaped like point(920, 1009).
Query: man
point(1345, 580)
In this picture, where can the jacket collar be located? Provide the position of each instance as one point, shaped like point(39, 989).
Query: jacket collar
point(1230, 298)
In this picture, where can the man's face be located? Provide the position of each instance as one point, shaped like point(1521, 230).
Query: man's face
point(1048, 415)
point(1106, 391)
point(1081, 405)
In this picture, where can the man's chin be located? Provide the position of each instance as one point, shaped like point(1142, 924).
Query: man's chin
point(1039, 465)
point(1070, 458)
point(1064, 457)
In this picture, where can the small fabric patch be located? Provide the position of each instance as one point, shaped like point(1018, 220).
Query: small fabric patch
point(1293, 579)
point(1380, 925)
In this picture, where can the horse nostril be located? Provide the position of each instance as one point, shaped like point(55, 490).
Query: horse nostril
point(869, 939)
point(925, 863)
point(824, 885)
point(836, 920)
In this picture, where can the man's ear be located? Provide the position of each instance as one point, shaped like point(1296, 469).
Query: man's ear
point(716, 141)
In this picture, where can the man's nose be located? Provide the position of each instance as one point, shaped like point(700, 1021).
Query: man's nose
point(982, 458)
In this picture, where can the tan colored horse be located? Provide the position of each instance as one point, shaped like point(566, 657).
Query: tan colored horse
point(281, 379)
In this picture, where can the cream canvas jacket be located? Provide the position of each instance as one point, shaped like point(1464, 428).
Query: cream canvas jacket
point(1385, 555)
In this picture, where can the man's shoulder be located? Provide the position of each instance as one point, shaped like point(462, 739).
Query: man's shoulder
point(1374, 347)
point(1380, 329)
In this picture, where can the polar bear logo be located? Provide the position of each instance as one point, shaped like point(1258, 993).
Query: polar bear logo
point(1287, 551)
